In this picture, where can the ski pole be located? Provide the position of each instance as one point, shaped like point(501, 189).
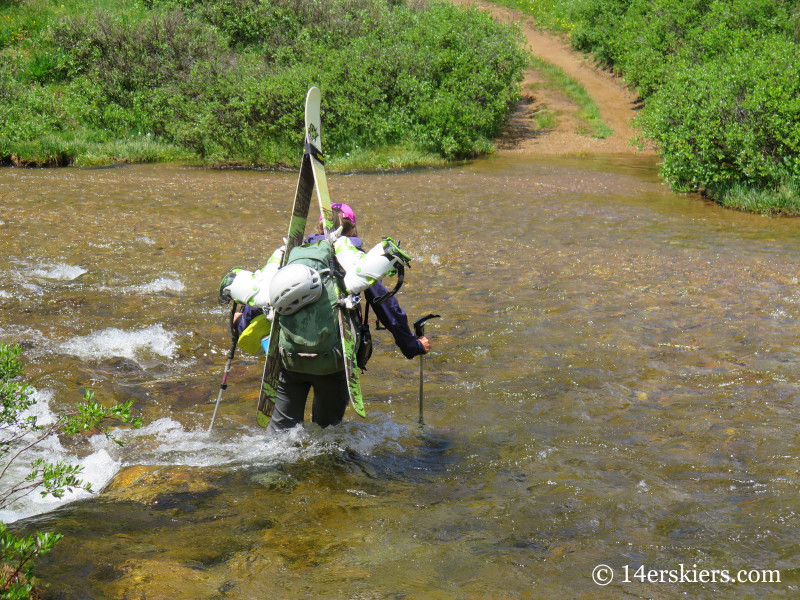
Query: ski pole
point(231, 352)
point(419, 331)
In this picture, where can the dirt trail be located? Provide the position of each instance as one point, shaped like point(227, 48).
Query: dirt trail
point(617, 104)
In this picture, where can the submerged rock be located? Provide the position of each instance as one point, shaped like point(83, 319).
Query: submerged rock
point(145, 484)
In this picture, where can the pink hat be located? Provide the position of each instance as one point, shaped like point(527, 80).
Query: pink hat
point(347, 212)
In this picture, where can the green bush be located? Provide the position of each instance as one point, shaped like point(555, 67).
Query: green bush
point(226, 81)
point(642, 38)
point(731, 120)
point(719, 80)
point(444, 84)
point(597, 27)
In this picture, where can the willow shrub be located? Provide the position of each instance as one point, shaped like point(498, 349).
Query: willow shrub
point(734, 120)
point(720, 87)
point(226, 81)
point(641, 38)
point(445, 81)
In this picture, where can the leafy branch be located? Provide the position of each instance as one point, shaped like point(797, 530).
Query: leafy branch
point(19, 434)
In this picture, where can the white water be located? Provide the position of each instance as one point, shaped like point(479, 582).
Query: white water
point(63, 272)
point(118, 343)
point(58, 271)
point(168, 442)
point(98, 468)
point(169, 284)
point(159, 285)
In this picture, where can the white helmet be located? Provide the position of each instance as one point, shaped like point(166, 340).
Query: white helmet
point(293, 287)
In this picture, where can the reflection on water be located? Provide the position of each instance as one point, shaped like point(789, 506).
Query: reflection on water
point(613, 381)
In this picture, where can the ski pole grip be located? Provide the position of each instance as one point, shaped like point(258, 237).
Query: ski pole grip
point(419, 324)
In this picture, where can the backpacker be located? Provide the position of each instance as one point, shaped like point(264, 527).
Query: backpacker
point(309, 338)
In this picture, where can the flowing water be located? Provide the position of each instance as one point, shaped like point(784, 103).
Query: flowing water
point(613, 381)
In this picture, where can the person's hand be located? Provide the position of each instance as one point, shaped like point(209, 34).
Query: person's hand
point(426, 343)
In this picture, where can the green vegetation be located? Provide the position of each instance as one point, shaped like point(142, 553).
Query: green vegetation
point(587, 109)
point(545, 119)
point(720, 84)
point(224, 82)
point(19, 434)
point(550, 14)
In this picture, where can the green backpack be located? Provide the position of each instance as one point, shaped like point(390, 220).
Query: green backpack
point(309, 339)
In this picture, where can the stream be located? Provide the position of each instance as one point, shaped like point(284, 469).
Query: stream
point(613, 381)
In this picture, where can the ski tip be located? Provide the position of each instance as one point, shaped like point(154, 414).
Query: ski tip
point(313, 93)
point(313, 100)
point(313, 136)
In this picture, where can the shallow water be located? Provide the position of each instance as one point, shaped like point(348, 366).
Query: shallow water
point(613, 382)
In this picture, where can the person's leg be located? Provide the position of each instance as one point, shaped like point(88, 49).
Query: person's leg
point(290, 401)
point(330, 399)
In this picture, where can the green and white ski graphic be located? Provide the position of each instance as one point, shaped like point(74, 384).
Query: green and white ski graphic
point(346, 325)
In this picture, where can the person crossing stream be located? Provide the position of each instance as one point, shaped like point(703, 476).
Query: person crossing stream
point(304, 306)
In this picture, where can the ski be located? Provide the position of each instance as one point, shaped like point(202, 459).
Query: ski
point(297, 227)
point(312, 174)
point(346, 326)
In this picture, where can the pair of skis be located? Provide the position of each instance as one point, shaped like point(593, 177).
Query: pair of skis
point(312, 175)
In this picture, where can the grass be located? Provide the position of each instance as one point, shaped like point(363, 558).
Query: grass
point(139, 150)
point(782, 200)
point(545, 118)
point(387, 157)
point(53, 150)
point(588, 112)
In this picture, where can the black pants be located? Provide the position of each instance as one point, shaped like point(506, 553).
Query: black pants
point(330, 399)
